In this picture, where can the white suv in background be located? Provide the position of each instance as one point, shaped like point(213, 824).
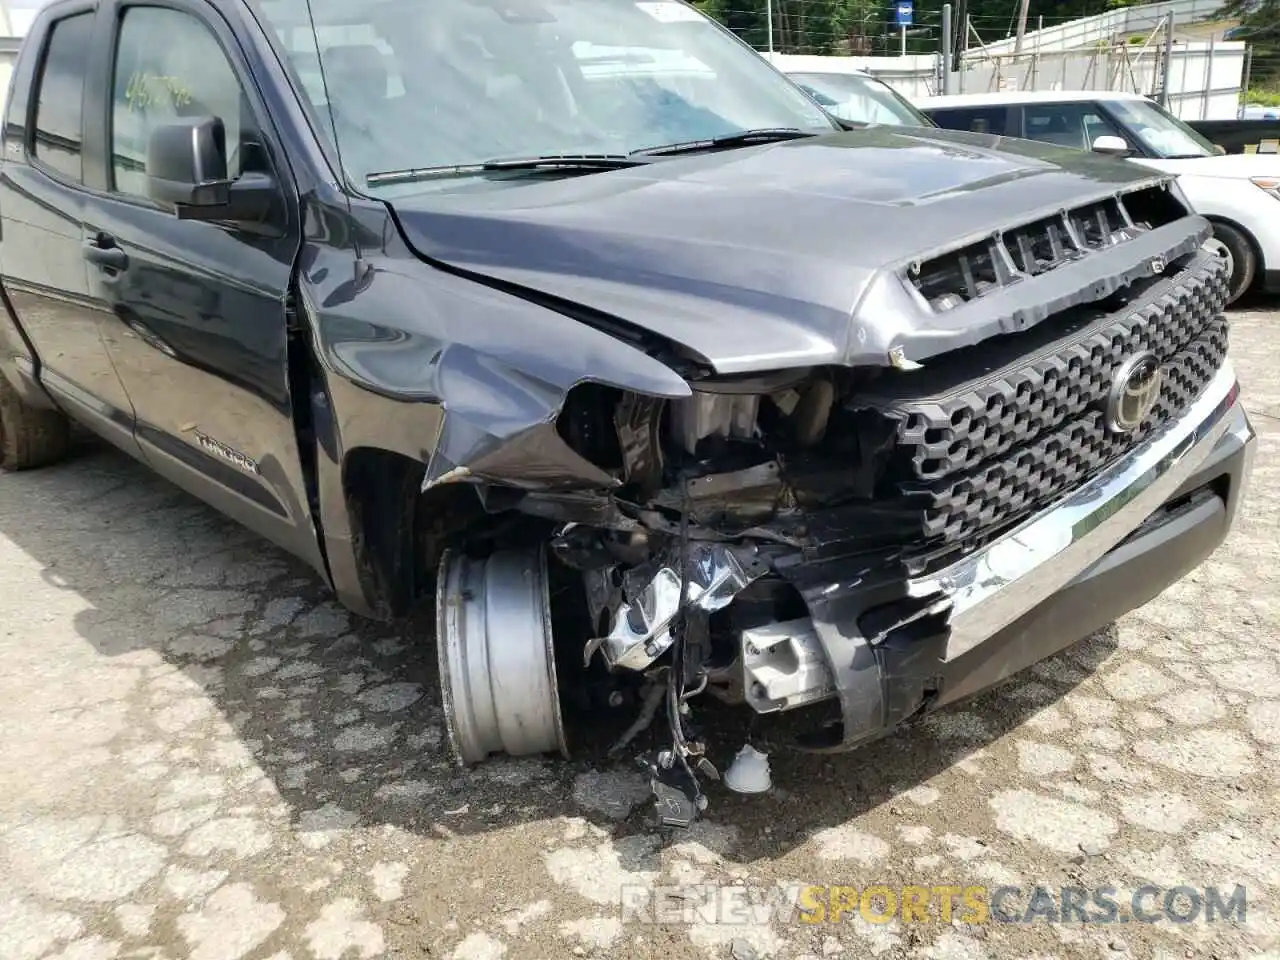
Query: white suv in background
point(1239, 193)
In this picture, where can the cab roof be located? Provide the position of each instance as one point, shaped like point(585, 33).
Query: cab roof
point(1014, 97)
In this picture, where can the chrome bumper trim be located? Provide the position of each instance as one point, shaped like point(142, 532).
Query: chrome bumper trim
point(1009, 577)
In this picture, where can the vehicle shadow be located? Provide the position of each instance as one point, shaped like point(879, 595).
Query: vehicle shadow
point(343, 713)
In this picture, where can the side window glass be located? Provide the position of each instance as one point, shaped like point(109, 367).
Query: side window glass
point(1074, 125)
point(1096, 125)
point(990, 121)
point(1053, 123)
point(60, 98)
point(169, 65)
point(974, 119)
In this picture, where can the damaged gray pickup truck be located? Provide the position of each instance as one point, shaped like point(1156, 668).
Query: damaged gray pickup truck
point(579, 317)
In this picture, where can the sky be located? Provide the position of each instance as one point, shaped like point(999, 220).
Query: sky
point(21, 13)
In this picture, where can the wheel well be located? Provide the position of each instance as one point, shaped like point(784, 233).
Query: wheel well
point(398, 532)
point(1244, 232)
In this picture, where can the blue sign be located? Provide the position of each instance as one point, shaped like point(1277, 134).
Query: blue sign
point(903, 13)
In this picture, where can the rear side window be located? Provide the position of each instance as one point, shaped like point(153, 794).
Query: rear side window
point(975, 119)
point(60, 96)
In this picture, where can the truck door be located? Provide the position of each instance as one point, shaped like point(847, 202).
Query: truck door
point(42, 204)
point(200, 310)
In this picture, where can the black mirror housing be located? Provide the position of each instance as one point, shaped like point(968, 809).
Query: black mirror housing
point(187, 163)
point(187, 169)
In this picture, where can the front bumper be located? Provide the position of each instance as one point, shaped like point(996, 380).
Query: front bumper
point(1104, 549)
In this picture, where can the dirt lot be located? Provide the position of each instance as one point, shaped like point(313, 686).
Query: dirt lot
point(202, 756)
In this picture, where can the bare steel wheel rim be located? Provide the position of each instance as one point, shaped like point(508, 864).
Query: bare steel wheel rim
point(497, 663)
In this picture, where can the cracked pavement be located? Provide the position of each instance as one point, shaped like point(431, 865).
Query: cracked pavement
point(203, 756)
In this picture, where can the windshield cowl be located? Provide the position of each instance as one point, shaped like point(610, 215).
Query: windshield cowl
point(579, 163)
point(743, 138)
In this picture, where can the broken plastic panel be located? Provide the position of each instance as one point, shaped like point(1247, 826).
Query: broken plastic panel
point(749, 772)
point(641, 630)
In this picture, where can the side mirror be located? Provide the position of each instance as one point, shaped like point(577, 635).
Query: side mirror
point(1111, 146)
point(1219, 150)
point(187, 163)
point(187, 169)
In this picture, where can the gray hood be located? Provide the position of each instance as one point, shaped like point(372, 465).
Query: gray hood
point(782, 255)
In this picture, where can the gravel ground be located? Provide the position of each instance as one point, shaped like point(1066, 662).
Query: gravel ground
point(202, 756)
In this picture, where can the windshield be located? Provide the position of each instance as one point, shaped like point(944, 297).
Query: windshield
point(411, 85)
point(860, 99)
point(1160, 131)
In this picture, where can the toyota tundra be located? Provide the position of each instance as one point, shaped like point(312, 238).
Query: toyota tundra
point(581, 320)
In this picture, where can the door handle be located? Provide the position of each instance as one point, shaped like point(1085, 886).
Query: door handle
point(102, 250)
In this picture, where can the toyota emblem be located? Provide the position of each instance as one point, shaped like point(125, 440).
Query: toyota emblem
point(1134, 391)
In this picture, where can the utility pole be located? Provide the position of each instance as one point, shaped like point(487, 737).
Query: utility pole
point(1167, 66)
point(1022, 25)
point(947, 42)
point(959, 41)
point(769, 22)
point(1244, 86)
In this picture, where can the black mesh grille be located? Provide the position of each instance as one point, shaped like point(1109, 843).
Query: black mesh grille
point(987, 450)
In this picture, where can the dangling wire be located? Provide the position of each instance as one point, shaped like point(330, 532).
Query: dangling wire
point(680, 747)
point(679, 632)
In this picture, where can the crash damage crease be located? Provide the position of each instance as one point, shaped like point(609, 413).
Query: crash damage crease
point(862, 625)
point(526, 452)
point(803, 305)
point(744, 530)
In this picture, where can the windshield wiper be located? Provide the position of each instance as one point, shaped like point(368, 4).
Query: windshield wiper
point(742, 138)
point(583, 161)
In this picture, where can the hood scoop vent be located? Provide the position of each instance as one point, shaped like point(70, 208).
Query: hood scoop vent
point(1011, 256)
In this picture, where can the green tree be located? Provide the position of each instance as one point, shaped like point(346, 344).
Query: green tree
point(866, 26)
point(1260, 23)
point(803, 26)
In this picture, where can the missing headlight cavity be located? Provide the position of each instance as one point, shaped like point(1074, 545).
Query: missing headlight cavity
point(1153, 207)
point(960, 276)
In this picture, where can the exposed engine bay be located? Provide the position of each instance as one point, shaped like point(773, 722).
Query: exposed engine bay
point(726, 482)
point(715, 497)
point(771, 541)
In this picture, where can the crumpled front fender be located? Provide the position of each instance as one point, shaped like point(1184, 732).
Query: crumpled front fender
point(498, 366)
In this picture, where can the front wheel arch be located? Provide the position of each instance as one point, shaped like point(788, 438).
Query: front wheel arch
point(1244, 251)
